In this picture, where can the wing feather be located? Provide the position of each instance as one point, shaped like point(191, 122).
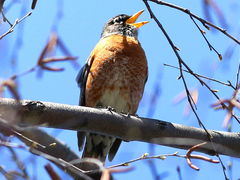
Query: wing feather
point(82, 80)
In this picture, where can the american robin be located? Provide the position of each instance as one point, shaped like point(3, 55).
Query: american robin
point(114, 75)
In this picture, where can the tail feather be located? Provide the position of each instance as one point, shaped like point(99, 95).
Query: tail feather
point(81, 139)
point(114, 149)
point(97, 146)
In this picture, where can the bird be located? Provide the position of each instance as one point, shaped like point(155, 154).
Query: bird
point(113, 76)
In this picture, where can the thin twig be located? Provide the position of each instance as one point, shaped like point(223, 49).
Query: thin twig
point(17, 21)
point(11, 129)
point(204, 36)
point(237, 80)
point(5, 19)
point(52, 173)
point(188, 155)
point(164, 156)
point(181, 62)
point(62, 163)
point(205, 77)
point(203, 21)
point(19, 163)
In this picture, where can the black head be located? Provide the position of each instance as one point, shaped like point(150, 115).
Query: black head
point(123, 24)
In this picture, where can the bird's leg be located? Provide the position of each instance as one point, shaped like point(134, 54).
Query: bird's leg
point(111, 109)
point(136, 115)
point(128, 115)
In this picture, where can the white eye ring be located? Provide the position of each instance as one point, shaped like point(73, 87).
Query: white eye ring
point(118, 20)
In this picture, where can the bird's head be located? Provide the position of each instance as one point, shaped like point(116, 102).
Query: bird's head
point(123, 24)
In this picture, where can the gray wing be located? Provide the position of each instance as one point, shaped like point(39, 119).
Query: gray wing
point(82, 80)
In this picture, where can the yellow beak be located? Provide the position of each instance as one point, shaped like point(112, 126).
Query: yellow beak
point(133, 19)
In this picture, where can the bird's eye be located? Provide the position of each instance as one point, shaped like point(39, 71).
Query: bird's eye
point(118, 20)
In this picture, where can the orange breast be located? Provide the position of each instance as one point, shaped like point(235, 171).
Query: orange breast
point(117, 74)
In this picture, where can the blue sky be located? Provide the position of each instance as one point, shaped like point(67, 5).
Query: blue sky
point(80, 28)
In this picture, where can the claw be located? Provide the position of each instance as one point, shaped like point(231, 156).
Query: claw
point(109, 108)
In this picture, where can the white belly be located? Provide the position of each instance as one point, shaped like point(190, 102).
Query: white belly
point(116, 99)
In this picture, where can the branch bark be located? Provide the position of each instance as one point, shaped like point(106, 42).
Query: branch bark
point(129, 128)
point(42, 144)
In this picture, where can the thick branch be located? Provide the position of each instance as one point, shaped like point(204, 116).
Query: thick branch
point(42, 144)
point(129, 128)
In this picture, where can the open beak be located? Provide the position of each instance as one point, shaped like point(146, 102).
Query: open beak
point(134, 18)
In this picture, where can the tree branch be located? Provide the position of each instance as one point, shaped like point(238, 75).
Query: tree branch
point(128, 128)
point(42, 144)
point(205, 23)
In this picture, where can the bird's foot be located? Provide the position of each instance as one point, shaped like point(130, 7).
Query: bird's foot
point(111, 109)
point(128, 115)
